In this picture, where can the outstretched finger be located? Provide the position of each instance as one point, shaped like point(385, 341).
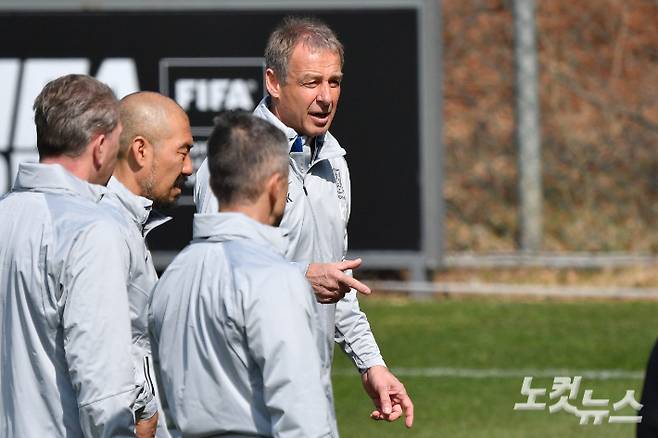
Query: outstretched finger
point(353, 283)
point(349, 264)
point(408, 408)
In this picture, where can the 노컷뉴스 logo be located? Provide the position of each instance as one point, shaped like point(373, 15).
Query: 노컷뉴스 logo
point(565, 394)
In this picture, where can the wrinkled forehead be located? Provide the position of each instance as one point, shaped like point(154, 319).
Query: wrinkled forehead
point(317, 59)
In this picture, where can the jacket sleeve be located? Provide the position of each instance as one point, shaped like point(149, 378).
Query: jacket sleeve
point(352, 329)
point(204, 198)
point(354, 335)
point(280, 335)
point(96, 329)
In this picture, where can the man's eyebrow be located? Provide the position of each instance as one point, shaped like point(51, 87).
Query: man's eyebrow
point(307, 76)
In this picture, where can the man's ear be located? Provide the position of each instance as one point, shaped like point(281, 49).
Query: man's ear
point(98, 150)
point(139, 150)
point(272, 83)
point(276, 187)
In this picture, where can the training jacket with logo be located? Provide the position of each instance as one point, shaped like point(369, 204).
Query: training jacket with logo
point(66, 368)
point(232, 322)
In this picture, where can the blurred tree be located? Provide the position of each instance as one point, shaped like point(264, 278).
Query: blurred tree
point(598, 63)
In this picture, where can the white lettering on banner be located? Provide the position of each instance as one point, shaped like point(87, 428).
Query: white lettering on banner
point(215, 94)
point(16, 102)
point(120, 74)
point(9, 69)
point(37, 73)
point(239, 94)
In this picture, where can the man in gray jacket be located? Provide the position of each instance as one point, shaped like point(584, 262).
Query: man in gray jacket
point(65, 362)
point(304, 62)
point(152, 166)
point(232, 319)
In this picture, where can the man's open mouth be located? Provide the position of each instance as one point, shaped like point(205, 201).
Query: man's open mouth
point(320, 116)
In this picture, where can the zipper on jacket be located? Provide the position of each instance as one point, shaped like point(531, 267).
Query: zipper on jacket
point(298, 173)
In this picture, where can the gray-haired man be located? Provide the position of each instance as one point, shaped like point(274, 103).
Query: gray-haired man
point(65, 363)
point(304, 72)
point(232, 319)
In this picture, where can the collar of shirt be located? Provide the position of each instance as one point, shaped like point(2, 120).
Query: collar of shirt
point(139, 208)
point(326, 144)
point(53, 178)
point(225, 227)
point(263, 111)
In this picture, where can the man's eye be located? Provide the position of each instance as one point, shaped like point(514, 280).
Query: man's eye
point(310, 84)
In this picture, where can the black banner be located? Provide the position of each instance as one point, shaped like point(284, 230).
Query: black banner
point(210, 61)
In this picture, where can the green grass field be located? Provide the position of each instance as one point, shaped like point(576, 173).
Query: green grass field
point(503, 336)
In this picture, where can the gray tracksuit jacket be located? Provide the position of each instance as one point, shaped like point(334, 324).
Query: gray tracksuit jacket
point(66, 368)
point(316, 215)
point(232, 321)
point(137, 218)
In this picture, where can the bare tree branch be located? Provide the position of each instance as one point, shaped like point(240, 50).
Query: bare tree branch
point(614, 108)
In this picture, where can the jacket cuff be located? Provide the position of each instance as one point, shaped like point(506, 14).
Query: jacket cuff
point(147, 411)
point(365, 365)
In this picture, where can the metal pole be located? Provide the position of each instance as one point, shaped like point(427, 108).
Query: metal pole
point(431, 123)
point(528, 130)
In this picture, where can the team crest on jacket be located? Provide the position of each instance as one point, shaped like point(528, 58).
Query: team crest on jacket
point(339, 184)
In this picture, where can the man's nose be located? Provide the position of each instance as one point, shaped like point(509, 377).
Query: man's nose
point(187, 166)
point(324, 94)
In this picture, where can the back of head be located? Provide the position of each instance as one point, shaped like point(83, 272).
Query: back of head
point(243, 152)
point(293, 30)
point(70, 111)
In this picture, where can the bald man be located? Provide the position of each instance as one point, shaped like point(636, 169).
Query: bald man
point(154, 159)
point(153, 163)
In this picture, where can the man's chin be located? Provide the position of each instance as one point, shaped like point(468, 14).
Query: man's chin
point(165, 203)
point(316, 131)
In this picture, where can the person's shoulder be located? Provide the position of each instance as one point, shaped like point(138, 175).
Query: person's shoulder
point(250, 254)
point(271, 279)
point(17, 201)
point(70, 212)
point(81, 217)
point(113, 209)
point(104, 228)
point(258, 261)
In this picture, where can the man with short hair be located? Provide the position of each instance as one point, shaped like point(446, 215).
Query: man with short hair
point(153, 164)
point(232, 319)
point(304, 62)
point(65, 363)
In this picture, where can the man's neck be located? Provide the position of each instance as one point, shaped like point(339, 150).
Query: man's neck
point(257, 210)
point(74, 165)
point(126, 176)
